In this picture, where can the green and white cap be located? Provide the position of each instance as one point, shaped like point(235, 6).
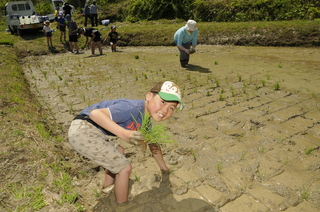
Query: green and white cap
point(169, 91)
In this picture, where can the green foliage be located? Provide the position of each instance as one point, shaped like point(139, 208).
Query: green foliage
point(200, 10)
point(43, 8)
point(31, 196)
point(218, 10)
point(158, 9)
point(256, 10)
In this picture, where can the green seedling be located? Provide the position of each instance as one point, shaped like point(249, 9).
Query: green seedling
point(261, 150)
point(243, 154)
point(277, 86)
point(188, 76)
point(136, 177)
point(193, 154)
point(217, 82)
point(308, 150)
point(239, 137)
point(305, 193)
point(268, 77)
point(154, 133)
point(232, 93)
point(219, 168)
point(221, 97)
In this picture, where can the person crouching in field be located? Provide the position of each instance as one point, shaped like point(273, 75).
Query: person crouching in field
point(95, 40)
point(113, 36)
point(93, 133)
point(185, 37)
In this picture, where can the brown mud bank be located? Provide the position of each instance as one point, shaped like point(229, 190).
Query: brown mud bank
point(247, 140)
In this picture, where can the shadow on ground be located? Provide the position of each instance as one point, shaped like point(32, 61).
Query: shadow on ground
point(198, 68)
point(157, 199)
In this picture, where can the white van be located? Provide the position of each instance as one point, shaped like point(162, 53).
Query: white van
point(21, 15)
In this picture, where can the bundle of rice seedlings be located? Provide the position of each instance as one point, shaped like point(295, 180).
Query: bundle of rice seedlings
point(154, 133)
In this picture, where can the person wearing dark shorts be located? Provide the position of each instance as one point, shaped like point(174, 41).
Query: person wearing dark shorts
point(62, 26)
point(95, 40)
point(113, 36)
point(73, 35)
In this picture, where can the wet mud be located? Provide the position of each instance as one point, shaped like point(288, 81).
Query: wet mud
point(247, 140)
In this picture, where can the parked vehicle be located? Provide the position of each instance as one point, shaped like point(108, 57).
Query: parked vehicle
point(21, 15)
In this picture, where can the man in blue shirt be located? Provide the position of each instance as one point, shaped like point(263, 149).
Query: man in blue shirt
point(185, 37)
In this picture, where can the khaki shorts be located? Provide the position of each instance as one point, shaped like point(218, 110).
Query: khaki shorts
point(92, 143)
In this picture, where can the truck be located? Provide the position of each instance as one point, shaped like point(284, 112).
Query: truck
point(21, 15)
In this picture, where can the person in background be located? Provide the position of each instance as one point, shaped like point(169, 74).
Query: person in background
point(86, 13)
point(186, 37)
point(48, 32)
point(56, 14)
point(73, 35)
point(95, 40)
point(94, 133)
point(62, 26)
point(113, 36)
point(94, 13)
point(67, 9)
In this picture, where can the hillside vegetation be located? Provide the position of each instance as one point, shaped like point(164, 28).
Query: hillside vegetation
point(200, 10)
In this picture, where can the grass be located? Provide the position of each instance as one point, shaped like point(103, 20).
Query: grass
point(28, 132)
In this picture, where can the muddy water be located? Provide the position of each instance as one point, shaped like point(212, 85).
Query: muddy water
point(247, 140)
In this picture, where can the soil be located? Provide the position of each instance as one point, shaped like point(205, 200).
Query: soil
point(247, 140)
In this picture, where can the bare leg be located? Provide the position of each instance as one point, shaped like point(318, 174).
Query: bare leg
point(76, 46)
point(121, 187)
point(110, 177)
point(71, 46)
point(93, 46)
point(99, 46)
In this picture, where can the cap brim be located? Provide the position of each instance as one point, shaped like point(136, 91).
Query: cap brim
point(171, 98)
